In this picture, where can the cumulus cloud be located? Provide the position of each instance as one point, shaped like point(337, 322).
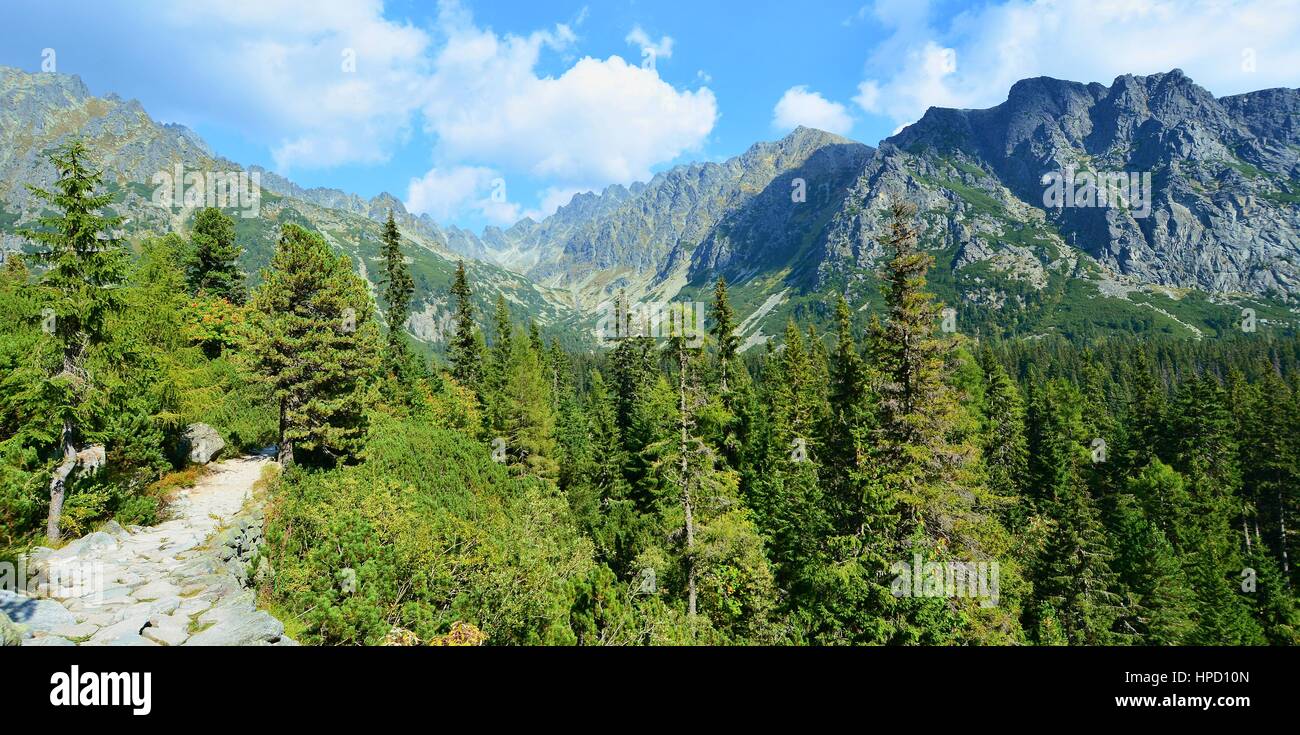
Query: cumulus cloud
point(973, 58)
point(328, 83)
point(650, 49)
point(445, 193)
point(333, 83)
point(602, 121)
point(798, 106)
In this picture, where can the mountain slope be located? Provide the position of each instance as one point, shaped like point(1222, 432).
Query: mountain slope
point(1222, 233)
point(793, 223)
point(40, 111)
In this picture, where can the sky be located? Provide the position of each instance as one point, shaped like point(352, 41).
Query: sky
point(481, 113)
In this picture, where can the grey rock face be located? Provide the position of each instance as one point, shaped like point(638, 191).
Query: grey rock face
point(1225, 172)
point(201, 443)
point(1224, 209)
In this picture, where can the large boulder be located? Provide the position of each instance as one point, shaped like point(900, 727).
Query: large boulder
point(92, 458)
point(34, 614)
point(201, 443)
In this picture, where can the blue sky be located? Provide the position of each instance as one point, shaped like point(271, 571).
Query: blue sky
point(484, 112)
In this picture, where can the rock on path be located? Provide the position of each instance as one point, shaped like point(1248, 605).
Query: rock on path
point(161, 586)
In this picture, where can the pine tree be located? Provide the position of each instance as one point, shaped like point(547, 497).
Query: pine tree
point(1274, 605)
point(466, 350)
point(796, 405)
point(214, 269)
point(1270, 461)
point(726, 577)
point(524, 412)
point(614, 517)
point(1205, 452)
point(1006, 450)
point(916, 463)
point(849, 421)
point(314, 343)
point(398, 288)
point(724, 335)
point(1148, 411)
point(535, 339)
point(85, 264)
point(1159, 606)
point(793, 512)
point(1073, 574)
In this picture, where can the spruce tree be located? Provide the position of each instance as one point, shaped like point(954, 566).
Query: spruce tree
point(466, 350)
point(793, 509)
point(315, 344)
point(1073, 574)
point(915, 459)
point(398, 288)
point(1159, 600)
point(849, 414)
point(214, 268)
point(724, 335)
point(85, 265)
point(524, 413)
point(1006, 450)
point(1205, 452)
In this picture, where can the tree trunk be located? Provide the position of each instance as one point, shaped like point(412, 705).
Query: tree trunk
point(686, 485)
point(1281, 522)
point(58, 481)
point(284, 454)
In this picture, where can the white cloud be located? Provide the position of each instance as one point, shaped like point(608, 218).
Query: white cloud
point(445, 193)
point(331, 80)
point(600, 122)
point(280, 73)
point(798, 106)
point(489, 109)
point(868, 96)
point(973, 59)
point(662, 49)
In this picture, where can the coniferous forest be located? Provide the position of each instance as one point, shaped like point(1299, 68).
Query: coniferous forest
point(828, 488)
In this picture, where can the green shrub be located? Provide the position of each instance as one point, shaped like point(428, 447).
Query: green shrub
point(425, 532)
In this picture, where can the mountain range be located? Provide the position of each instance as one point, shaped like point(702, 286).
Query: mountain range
point(792, 223)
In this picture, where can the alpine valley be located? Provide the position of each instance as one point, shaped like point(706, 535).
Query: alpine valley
point(791, 223)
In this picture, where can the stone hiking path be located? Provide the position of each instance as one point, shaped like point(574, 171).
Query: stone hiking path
point(164, 585)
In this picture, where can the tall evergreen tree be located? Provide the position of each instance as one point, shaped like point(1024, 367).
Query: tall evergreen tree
point(466, 349)
point(850, 412)
point(214, 268)
point(398, 288)
point(917, 463)
point(1159, 600)
point(1006, 450)
point(1073, 575)
point(524, 413)
point(724, 335)
point(314, 343)
point(85, 264)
